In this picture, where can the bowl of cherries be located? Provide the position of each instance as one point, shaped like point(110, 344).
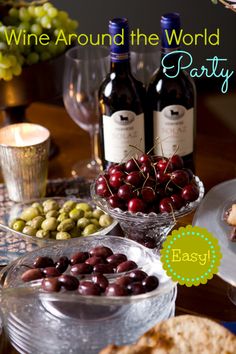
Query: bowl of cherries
point(147, 195)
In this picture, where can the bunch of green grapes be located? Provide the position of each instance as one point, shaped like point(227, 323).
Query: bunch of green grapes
point(35, 19)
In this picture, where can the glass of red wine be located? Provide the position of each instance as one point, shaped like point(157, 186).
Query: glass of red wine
point(85, 69)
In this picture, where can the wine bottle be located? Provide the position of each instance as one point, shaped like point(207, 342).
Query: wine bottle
point(121, 100)
point(171, 100)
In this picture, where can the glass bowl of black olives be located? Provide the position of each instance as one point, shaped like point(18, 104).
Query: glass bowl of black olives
point(80, 295)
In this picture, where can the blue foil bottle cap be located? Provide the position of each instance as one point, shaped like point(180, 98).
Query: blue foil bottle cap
point(170, 23)
point(119, 31)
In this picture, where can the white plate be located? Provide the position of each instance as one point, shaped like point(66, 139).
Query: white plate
point(210, 215)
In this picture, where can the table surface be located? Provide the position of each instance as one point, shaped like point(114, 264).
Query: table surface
point(215, 162)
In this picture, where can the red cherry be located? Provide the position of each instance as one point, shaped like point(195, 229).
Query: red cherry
point(102, 178)
point(102, 189)
point(177, 201)
point(115, 202)
point(134, 178)
point(131, 165)
point(147, 168)
point(180, 178)
point(125, 192)
point(116, 179)
point(165, 165)
point(136, 205)
point(190, 193)
point(148, 194)
point(115, 168)
point(150, 182)
point(166, 205)
point(190, 173)
point(144, 158)
point(162, 178)
point(177, 162)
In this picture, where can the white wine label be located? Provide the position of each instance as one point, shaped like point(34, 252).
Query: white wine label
point(174, 126)
point(122, 129)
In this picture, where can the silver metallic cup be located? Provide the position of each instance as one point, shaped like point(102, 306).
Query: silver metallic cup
point(24, 150)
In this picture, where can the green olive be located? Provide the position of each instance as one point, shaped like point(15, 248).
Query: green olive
point(66, 225)
point(97, 213)
point(11, 222)
point(29, 213)
point(75, 232)
point(68, 206)
point(90, 229)
point(82, 223)
point(50, 205)
point(37, 222)
point(88, 214)
point(18, 225)
point(63, 216)
point(52, 214)
point(94, 222)
point(38, 206)
point(84, 206)
point(43, 234)
point(63, 236)
point(28, 230)
point(105, 220)
point(49, 224)
point(76, 214)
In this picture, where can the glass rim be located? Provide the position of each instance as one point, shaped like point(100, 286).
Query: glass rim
point(89, 49)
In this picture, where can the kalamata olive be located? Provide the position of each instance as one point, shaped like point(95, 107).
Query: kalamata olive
point(68, 282)
point(136, 288)
point(51, 284)
point(100, 280)
point(124, 281)
point(101, 251)
point(103, 268)
point(89, 288)
point(79, 257)
point(81, 268)
point(32, 274)
point(116, 259)
point(95, 260)
point(43, 262)
point(137, 275)
point(50, 272)
point(116, 290)
point(150, 283)
point(62, 264)
point(126, 266)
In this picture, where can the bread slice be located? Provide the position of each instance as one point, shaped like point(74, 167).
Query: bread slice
point(181, 335)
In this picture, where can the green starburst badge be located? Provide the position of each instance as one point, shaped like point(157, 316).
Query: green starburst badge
point(191, 255)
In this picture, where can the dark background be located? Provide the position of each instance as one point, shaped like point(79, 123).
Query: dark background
point(93, 17)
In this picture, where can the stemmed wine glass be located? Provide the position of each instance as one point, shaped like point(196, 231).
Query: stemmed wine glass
point(84, 71)
point(145, 61)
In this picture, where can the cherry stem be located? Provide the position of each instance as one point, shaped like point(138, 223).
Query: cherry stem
point(138, 167)
point(153, 145)
point(135, 147)
point(172, 212)
point(108, 186)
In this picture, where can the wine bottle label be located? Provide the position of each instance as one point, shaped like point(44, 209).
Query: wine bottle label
point(120, 131)
point(173, 127)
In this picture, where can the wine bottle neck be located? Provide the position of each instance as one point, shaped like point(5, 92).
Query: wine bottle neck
point(169, 58)
point(120, 67)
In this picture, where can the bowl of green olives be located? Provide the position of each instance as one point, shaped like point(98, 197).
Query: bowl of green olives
point(46, 221)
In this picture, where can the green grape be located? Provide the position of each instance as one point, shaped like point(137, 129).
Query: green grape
point(5, 63)
point(31, 10)
point(52, 12)
point(45, 56)
point(32, 58)
point(57, 23)
point(63, 16)
point(46, 22)
point(52, 48)
point(8, 75)
point(13, 12)
point(24, 14)
point(3, 46)
point(17, 70)
point(12, 60)
point(47, 6)
point(40, 48)
point(39, 11)
point(36, 29)
point(25, 26)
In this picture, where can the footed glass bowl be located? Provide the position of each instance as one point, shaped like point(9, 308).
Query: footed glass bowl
point(148, 229)
point(66, 322)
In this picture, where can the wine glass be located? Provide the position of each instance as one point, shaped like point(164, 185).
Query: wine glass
point(84, 71)
point(145, 61)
